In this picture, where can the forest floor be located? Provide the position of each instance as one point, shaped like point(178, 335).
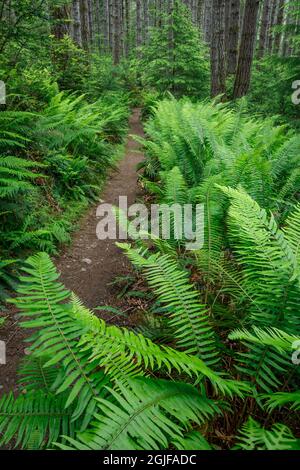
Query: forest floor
point(88, 266)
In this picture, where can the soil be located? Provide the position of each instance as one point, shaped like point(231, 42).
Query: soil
point(88, 266)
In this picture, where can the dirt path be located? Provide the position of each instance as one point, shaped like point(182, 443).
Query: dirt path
point(89, 264)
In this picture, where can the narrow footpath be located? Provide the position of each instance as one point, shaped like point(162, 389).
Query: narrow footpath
point(88, 265)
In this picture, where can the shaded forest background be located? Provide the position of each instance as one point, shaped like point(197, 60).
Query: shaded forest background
point(196, 48)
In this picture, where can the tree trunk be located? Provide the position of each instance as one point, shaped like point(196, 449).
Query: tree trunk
point(227, 26)
point(85, 33)
point(90, 17)
point(194, 7)
point(218, 70)
point(265, 21)
point(117, 32)
point(97, 23)
point(111, 24)
point(233, 46)
point(76, 23)
point(127, 27)
point(146, 21)
point(243, 74)
point(207, 27)
point(139, 38)
point(60, 16)
point(274, 5)
point(200, 13)
point(279, 23)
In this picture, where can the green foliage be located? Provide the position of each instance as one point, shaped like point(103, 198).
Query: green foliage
point(60, 154)
point(211, 142)
point(218, 344)
point(175, 60)
point(271, 88)
point(255, 437)
point(247, 273)
point(81, 378)
point(36, 414)
point(142, 416)
point(187, 316)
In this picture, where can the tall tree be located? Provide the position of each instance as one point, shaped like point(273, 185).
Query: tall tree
point(104, 28)
point(97, 23)
point(218, 69)
point(139, 38)
point(60, 15)
point(264, 25)
point(110, 7)
point(272, 23)
point(227, 25)
point(248, 38)
point(200, 14)
point(117, 31)
point(90, 18)
point(146, 20)
point(85, 31)
point(76, 22)
point(233, 39)
point(279, 24)
point(207, 19)
point(127, 26)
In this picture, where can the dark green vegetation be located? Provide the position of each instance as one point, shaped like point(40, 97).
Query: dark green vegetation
point(213, 368)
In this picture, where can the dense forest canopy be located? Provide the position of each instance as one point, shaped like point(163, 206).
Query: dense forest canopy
point(208, 356)
point(163, 43)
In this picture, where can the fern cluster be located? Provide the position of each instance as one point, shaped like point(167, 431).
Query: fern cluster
point(230, 310)
point(57, 155)
point(87, 385)
point(245, 172)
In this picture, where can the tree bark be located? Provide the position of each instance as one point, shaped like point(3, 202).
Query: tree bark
point(85, 33)
point(279, 23)
point(97, 23)
point(60, 16)
point(127, 27)
point(111, 24)
point(117, 32)
point(233, 46)
point(265, 21)
point(90, 18)
point(270, 38)
point(76, 23)
point(243, 74)
point(227, 26)
point(218, 69)
point(207, 27)
point(146, 21)
point(139, 39)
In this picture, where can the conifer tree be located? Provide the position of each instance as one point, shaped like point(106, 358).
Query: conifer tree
point(185, 69)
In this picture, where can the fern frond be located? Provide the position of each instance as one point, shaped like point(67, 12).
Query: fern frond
point(192, 441)
point(188, 316)
point(280, 399)
point(40, 301)
point(146, 414)
point(254, 437)
point(45, 415)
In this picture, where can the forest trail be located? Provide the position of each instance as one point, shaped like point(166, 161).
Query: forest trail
point(91, 281)
point(89, 265)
